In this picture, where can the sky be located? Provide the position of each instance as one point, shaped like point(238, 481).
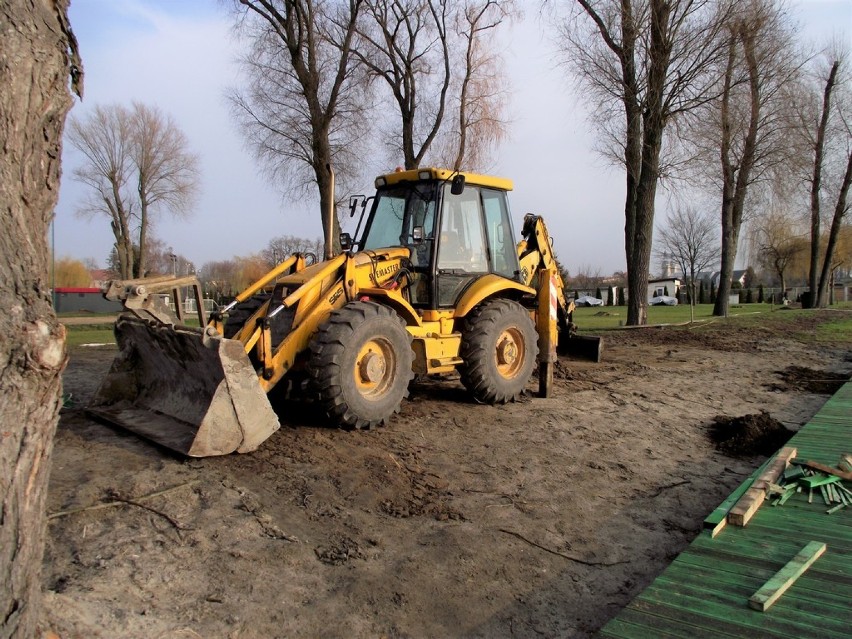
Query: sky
point(181, 56)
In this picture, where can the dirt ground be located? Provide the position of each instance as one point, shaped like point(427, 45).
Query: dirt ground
point(542, 518)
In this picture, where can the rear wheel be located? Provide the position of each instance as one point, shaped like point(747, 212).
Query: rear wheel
point(360, 364)
point(499, 348)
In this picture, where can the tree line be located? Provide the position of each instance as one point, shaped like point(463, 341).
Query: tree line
point(716, 100)
point(712, 99)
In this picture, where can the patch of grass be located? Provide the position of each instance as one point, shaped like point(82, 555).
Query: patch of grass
point(603, 317)
point(838, 331)
point(80, 334)
point(808, 326)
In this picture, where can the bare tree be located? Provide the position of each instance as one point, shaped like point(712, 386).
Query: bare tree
point(690, 238)
point(588, 278)
point(104, 139)
point(646, 64)
point(219, 279)
point(481, 122)
point(841, 210)
point(167, 173)
point(742, 138)
point(830, 142)
point(779, 242)
point(136, 163)
point(279, 248)
point(39, 55)
point(303, 109)
point(405, 44)
point(818, 148)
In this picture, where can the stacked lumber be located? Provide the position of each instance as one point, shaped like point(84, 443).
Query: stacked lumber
point(752, 499)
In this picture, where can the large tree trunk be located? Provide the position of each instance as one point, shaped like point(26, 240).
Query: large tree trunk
point(736, 189)
point(322, 153)
point(816, 183)
point(653, 125)
point(38, 55)
point(837, 221)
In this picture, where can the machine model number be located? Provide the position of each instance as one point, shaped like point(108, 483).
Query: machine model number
point(336, 295)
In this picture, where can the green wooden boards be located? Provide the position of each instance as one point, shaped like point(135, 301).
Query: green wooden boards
point(705, 592)
point(784, 578)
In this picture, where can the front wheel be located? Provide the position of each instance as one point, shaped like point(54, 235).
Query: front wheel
point(499, 349)
point(360, 364)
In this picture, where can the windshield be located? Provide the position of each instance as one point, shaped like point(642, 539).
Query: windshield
point(398, 211)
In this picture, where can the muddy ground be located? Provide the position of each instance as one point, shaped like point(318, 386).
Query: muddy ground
point(542, 518)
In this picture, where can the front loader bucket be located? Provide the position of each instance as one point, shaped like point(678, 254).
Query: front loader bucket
point(194, 393)
point(581, 347)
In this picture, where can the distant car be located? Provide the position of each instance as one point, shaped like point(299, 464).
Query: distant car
point(588, 300)
point(663, 300)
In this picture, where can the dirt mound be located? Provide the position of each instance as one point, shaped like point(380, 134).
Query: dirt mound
point(810, 380)
point(749, 435)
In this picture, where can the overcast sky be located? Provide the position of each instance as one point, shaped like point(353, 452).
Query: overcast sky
point(180, 55)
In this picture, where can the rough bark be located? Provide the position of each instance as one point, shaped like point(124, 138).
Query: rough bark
point(816, 180)
point(840, 210)
point(38, 54)
point(299, 26)
point(736, 176)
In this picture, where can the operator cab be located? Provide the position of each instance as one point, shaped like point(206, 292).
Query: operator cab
point(457, 227)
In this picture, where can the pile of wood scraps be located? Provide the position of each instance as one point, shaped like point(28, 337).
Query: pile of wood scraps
point(816, 479)
point(781, 477)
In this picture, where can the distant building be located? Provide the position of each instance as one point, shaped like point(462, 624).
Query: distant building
point(663, 286)
point(712, 278)
point(83, 300)
point(100, 276)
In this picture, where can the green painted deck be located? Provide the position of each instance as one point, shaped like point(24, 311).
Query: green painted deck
point(705, 591)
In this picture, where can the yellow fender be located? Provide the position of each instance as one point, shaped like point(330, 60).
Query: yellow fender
point(491, 286)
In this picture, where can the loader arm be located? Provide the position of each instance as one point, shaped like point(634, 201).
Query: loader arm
point(538, 263)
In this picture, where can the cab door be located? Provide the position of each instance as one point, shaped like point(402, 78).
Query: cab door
point(475, 239)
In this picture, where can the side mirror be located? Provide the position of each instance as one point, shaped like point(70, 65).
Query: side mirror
point(345, 241)
point(417, 234)
point(457, 187)
point(354, 201)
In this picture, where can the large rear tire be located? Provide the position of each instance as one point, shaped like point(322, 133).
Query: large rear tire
point(360, 364)
point(499, 349)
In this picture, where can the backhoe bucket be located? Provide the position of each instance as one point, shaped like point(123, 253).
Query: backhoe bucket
point(195, 393)
point(581, 347)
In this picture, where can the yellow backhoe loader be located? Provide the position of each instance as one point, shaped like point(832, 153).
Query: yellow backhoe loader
point(434, 284)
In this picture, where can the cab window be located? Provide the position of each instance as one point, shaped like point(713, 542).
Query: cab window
point(462, 242)
point(501, 241)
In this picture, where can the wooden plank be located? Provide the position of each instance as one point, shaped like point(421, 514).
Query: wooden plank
point(769, 593)
point(818, 480)
point(748, 504)
point(829, 470)
point(717, 519)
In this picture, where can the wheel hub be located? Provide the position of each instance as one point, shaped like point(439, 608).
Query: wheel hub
point(372, 368)
point(510, 353)
point(507, 352)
